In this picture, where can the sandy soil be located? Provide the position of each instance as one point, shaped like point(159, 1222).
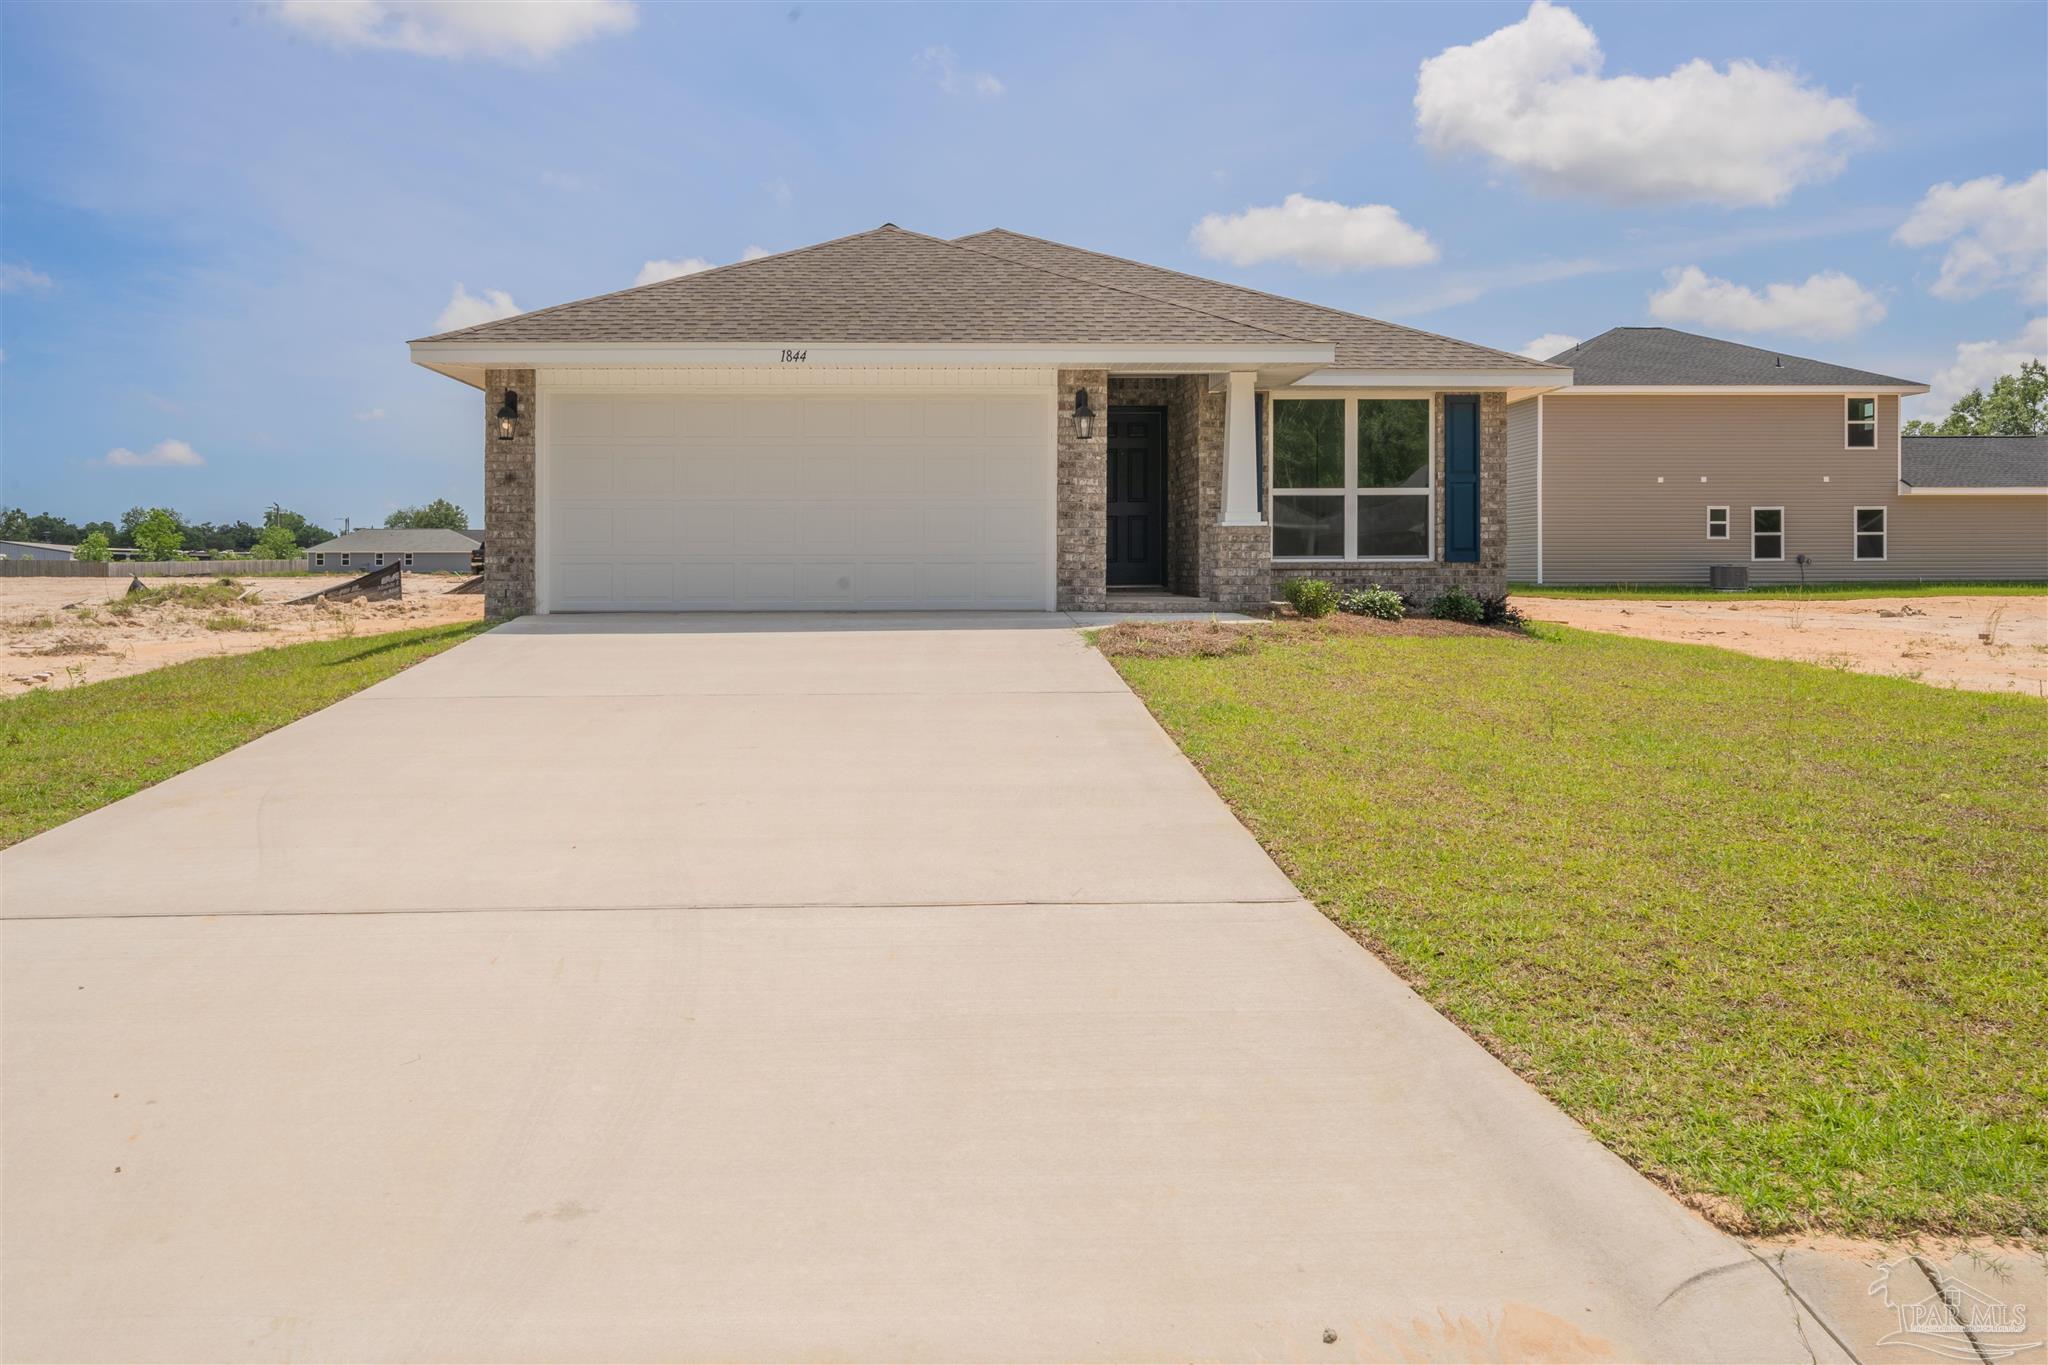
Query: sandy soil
point(1937, 640)
point(56, 632)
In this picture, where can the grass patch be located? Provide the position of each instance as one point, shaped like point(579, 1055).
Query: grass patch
point(65, 753)
point(1653, 592)
point(1772, 932)
point(228, 620)
point(222, 592)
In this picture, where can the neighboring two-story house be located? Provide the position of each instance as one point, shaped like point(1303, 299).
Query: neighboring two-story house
point(1670, 453)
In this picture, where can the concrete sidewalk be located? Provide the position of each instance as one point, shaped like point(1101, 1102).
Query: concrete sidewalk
point(849, 988)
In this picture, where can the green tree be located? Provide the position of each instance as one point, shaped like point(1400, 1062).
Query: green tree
point(94, 549)
point(438, 515)
point(278, 542)
point(158, 535)
point(13, 524)
point(302, 530)
point(2016, 406)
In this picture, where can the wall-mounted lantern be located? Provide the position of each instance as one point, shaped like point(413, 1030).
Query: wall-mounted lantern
point(508, 415)
point(1084, 416)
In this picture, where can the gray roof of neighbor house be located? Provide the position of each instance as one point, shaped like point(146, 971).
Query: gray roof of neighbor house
point(879, 287)
point(1362, 343)
point(1974, 462)
point(1660, 355)
point(399, 541)
point(38, 544)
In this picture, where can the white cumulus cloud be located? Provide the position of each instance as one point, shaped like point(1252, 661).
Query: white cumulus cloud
point(467, 310)
point(1978, 363)
point(755, 253)
point(1548, 345)
point(370, 415)
point(505, 30)
point(164, 454)
point(652, 272)
point(942, 65)
point(1829, 304)
point(1314, 233)
point(1997, 235)
point(1532, 98)
point(15, 277)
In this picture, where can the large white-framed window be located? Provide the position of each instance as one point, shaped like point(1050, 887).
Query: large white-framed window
point(1354, 478)
point(1871, 536)
point(1717, 523)
point(1766, 533)
point(1859, 423)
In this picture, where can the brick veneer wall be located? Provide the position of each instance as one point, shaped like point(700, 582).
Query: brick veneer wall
point(1421, 582)
point(1082, 515)
point(508, 497)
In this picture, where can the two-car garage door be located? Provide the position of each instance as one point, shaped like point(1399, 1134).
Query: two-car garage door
point(826, 500)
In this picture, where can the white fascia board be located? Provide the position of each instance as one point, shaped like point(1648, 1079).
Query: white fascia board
point(450, 356)
point(1908, 490)
point(1735, 390)
point(1531, 381)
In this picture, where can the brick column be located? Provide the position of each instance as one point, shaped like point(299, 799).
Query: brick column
point(509, 497)
point(1082, 533)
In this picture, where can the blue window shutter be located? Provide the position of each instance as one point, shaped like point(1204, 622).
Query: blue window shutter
point(1461, 479)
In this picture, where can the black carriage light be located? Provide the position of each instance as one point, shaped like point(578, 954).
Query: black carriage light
point(1084, 416)
point(508, 415)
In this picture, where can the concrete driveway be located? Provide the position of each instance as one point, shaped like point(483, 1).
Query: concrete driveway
point(771, 988)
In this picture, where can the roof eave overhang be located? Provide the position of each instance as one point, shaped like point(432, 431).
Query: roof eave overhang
point(467, 360)
point(1519, 382)
point(1738, 390)
point(1960, 491)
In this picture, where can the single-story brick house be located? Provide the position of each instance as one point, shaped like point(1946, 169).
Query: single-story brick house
point(420, 551)
point(1670, 453)
point(891, 420)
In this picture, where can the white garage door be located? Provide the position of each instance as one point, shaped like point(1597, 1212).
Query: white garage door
point(689, 502)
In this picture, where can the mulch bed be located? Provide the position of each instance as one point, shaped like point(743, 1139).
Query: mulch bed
point(1211, 639)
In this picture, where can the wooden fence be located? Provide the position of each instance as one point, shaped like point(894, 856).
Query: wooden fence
point(147, 568)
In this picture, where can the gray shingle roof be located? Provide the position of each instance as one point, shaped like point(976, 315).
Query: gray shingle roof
point(401, 541)
point(880, 287)
point(1660, 355)
point(1974, 462)
point(1362, 343)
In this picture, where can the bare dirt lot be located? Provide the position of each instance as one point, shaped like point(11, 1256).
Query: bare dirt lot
point(1985, 644)
point(61, 632)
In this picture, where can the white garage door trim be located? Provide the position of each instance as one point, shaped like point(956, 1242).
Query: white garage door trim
point(926, 582)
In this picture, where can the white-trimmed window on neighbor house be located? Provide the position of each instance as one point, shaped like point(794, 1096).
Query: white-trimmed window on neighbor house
point(319, 561)
point(1860, 424)
point(1717, 523)
point(1766, 533)
point(380, 561)
point(1870, 533)
point(408, 561)
point(344, 561)
point(1352, 478)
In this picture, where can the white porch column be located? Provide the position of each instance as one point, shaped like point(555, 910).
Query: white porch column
point(1240, 453)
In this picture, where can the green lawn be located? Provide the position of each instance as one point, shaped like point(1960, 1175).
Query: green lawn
point(1775, 933)
point(1652, 592)
point(65, 753)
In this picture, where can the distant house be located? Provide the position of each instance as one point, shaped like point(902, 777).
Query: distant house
point(34, 549)
point(1670, 453)
point(419, 551)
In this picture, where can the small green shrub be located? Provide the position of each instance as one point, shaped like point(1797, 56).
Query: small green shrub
point(1498, 611)
point(1312, 597)
point(1456, 604)
point(1384, 603)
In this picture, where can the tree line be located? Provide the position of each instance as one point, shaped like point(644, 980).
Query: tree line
point(162, 533)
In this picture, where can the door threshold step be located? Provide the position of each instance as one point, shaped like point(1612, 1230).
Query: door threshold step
point(1150, 602)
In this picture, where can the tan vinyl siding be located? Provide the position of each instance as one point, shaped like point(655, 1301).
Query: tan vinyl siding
point(1522, 525)
point(1607, 519)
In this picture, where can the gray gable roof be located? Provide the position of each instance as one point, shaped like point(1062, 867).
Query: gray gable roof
point(399, 541)
point(1362, 343)
point(1660, 355)
point(1974, 462)
point(879, 287)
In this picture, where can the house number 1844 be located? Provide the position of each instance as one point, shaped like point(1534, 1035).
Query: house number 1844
point(790, 357)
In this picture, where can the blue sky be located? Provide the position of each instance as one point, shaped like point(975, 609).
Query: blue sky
point(220, 223)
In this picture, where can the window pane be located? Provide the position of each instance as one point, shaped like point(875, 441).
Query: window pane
point(1768, 547)
point(1870, 547)
point(1392, 524)
point(1863, 436)
point(1308, 443)
point(1863, 409)
point(1870, 518)
point(1308, 526)
point(1767, 519)
point(1393, 443)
